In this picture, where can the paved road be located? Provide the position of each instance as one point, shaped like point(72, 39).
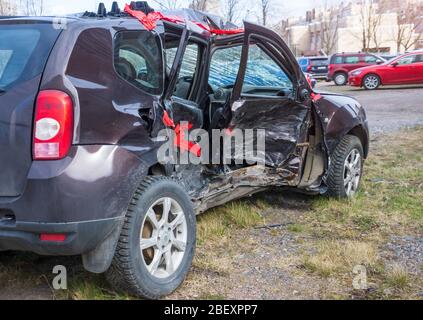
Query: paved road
point(389, 108)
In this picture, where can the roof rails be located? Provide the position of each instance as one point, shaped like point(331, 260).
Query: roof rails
point(116, 11)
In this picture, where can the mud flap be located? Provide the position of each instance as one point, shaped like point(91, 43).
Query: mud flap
point(100, 259)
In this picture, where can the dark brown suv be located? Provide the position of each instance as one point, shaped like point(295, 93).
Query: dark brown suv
point(85, 105)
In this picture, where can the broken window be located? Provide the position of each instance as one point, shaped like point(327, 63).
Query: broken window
point(263, 75)
point(224, 67)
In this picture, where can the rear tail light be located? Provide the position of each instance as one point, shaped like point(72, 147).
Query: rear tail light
point(53, 125)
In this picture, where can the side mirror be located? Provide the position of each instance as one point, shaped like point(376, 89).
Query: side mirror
point(378, 61)
point(304, 95)
point(394, 64)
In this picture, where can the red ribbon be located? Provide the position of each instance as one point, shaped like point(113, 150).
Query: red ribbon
point(150, 20)
point(180, 141)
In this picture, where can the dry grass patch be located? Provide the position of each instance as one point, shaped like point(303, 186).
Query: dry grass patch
point(397, 277)
point(335, 257)
point(217, 223)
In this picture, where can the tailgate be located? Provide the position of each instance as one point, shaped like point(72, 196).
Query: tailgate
point(24, 50)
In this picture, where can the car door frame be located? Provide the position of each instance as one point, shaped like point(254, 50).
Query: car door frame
point(278, 51)
point(164, 109)
point(280, 48)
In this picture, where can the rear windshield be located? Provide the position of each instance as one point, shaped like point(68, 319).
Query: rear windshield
point(319, 62)
point(24, 49)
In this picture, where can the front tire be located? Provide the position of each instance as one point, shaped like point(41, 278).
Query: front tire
point(371, 82)
point(346, 168)
point(157, 243)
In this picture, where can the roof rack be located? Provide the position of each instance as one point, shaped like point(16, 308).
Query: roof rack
point(116, 11)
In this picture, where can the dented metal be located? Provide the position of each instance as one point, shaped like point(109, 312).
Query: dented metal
point(301, 130)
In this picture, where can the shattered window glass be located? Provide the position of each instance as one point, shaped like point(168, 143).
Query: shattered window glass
point(263, 71)
point(224, 67)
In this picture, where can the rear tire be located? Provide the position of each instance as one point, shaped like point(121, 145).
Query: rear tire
point(157, 243)
point(340, 79)
point(346, 168)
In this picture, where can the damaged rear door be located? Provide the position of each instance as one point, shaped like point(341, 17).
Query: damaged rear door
point(270, 93)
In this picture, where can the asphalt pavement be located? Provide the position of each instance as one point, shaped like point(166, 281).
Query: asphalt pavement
point(388, 109)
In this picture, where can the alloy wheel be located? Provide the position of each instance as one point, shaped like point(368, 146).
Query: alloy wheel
point(163, 240)
point(352, 172)
point(371, 82)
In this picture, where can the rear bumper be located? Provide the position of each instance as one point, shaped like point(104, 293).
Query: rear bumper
point(80, 237)
point(83, 196)
point(319, 76)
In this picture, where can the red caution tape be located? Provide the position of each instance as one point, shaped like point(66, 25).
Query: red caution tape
point(315, 96)
point(149, 21)
point(180, 141)
point(167, 120)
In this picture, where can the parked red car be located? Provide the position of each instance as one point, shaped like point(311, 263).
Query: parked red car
point(341, 64)
point(406, 69)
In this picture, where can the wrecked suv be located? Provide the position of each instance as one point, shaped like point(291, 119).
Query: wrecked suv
point(83, 103)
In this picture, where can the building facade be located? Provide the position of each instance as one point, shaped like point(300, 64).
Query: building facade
point(390, 26)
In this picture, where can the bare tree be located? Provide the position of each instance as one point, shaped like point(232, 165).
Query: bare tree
point(409, 26)
point(282, 28)
point(370, 21)
point(32, 7)
point(330, 21)
point(169, 4)
point(200, 5)
point(265, 6)
point(231, 10)
point(7, 8)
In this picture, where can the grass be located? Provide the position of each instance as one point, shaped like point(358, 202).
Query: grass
point(219, 222)
point(333, 235)
point(340, 257)
point(397, 278)
point(390, 203)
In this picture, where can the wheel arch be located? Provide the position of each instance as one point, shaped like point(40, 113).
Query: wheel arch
point(360, 133)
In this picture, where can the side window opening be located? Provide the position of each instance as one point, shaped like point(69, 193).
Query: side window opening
point(224, 67)
point(188, 71)
point(407, 60)
point(138, 60)
point(370, 59)
point(337, 60)
point(264, 76)
point(352, 59)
